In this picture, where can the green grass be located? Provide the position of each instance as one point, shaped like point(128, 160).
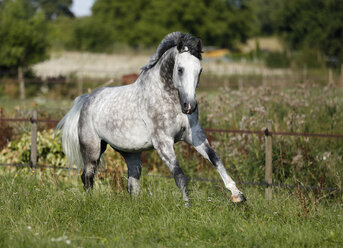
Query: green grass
point(53, 211)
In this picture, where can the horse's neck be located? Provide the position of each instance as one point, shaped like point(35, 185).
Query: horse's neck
point(157, 90)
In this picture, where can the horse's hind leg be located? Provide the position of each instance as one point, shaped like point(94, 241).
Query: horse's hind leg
point(133, 162)
point(91, 149)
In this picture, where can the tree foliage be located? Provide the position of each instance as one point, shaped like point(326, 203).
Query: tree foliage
point(55, 8)
point(89, 34)
point(313, 23)
point(22, 34)
point(266, 13)
point(143, 22)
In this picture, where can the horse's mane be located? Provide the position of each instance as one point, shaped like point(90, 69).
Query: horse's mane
point(180, 40)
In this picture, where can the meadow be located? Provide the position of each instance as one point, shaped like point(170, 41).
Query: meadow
point(43, 211)
point(48, 208)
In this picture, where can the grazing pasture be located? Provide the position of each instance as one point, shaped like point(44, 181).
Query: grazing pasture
point(50, 209)
point(53, 211)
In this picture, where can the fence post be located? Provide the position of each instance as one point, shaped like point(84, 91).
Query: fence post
point(79, 85)
point(269, 165)
point(331, 82)
point(33, 120)
point(304, 73)
point(240, 84)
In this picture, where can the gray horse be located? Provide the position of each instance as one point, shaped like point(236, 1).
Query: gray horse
point(156, 111)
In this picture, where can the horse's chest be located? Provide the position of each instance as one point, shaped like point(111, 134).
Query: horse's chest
point(172, 124)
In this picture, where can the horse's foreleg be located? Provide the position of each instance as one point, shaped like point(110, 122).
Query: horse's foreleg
point(207, 152)
point(199, 141)
point(133, 162)
point(165, 149)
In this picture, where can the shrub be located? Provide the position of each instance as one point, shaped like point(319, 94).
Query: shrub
point(49, 150)
point(277, 60)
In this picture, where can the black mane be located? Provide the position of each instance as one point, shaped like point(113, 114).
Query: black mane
point(180, 40)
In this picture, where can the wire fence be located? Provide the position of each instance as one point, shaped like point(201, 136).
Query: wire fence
point(265, 132)
point(268, 133)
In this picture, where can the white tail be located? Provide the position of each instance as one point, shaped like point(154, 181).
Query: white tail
point(69, 130)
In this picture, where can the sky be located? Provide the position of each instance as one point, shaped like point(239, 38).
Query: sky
point(82, 7)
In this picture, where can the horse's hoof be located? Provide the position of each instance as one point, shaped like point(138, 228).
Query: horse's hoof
point(238, 198)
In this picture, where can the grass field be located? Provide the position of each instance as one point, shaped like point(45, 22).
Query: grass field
point(53, 211)
point(48, 210)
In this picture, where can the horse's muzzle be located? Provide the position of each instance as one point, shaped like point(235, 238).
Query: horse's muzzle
point(189, 107)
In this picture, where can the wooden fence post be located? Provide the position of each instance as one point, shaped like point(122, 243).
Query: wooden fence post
point(33, 120)
point(304, 73)
point(79, 85)
point(240, 84)
point(269, 165)
point(331, 82)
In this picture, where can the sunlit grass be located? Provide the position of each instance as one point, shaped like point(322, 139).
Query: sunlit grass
point(47, 211)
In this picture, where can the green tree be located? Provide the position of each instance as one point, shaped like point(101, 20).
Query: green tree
point(55, 8)
point(141, 22)
point(317, 24)
point(22, 37)
point(266, 13)
point(89, 34)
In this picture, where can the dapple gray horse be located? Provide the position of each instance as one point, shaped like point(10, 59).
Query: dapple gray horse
point(156, 111)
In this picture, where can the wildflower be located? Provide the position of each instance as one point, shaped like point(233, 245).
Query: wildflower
point(326, 155)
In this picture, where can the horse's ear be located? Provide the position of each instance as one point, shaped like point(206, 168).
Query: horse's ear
point(179, 45)
point(199, 45)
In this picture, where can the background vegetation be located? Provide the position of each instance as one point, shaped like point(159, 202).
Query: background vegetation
point(301, 24)
point(241, 90)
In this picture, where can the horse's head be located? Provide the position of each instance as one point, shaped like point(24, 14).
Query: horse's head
point(186, 72)
point(181, 66)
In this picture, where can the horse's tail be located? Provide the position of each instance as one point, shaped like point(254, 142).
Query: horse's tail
point(69, 131)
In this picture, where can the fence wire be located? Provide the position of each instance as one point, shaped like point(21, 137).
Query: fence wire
point(265, 132)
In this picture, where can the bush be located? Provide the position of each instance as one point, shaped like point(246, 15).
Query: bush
point(89, 34)
point(277, 60)
point(49, 150)
point(309, 58)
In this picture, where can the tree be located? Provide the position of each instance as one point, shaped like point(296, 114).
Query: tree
point(266, 12)
point(317, 24)
point(22, 37)
point(144, 22)
point(54, 8)
point(89, 34)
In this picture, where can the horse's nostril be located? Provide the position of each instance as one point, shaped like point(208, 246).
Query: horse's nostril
point(184, 105)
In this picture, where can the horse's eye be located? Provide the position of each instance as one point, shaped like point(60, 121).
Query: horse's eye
point(180, 70)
